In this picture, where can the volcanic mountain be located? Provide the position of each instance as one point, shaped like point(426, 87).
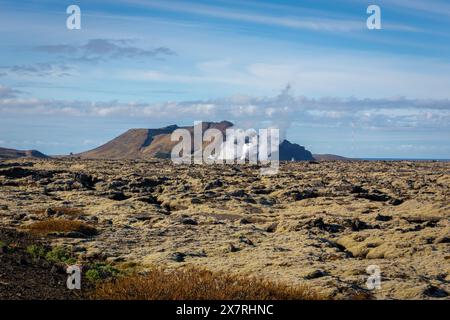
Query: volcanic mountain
point(13, 154)
point(156, 143)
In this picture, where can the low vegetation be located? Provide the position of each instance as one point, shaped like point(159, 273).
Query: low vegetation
point(46, 227)
point(99, 271)
point(55, 255)
point(198, 284)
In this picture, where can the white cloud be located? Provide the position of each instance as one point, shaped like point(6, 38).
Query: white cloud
point(283, 109)
point(338, 74)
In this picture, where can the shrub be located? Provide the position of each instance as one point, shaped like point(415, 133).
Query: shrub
point(61, 225)
point(100, 271)
point(36, 251)
point(198, 284)
point(60, 255)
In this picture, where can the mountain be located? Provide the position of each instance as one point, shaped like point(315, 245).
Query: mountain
point(156, 143)
point(329, 157)
point(292, 151)
point(145, 143)
point(13, 154)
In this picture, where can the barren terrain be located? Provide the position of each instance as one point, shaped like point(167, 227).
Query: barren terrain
point(320, 224)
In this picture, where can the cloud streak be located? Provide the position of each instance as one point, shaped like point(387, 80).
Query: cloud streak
point(38, 69)
point(96, 50)
point(310, 23)
point(8, 93)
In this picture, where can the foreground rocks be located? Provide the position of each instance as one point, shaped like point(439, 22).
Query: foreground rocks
point(24, 278)
point(317, 223)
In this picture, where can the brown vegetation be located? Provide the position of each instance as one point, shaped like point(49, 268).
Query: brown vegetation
point(199, 284)
point(46, 227)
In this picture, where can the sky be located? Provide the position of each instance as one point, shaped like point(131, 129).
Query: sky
point(311, 68)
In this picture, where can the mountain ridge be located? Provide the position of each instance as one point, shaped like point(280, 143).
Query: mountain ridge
point(156, 143)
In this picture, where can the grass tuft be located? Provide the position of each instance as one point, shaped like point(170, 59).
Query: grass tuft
point(46, 227)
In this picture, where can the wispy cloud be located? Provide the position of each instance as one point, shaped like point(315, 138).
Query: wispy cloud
point(38, 69)
point(430, 6)
point(287, 20)
point(8, 93)
point(104, 49)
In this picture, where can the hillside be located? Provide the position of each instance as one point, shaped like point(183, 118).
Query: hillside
point(6, 153)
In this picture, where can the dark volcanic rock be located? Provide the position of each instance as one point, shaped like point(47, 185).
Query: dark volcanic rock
point(329, 227)
point(246, 240)
point(357, 225)
point(374, 197)
point(272, 227)
point(358, 189)
point(396, 202)
point(118, 196)
point(381, 217)
point(189, 221)
point(177, 256)
point(16, 173)
point(87, 181)
point(305, 194)
point(435, 292)
point(315, 274)
point(214, 184)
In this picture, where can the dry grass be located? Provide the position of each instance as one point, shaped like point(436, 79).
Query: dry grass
point(61, 225)
point(195, 284)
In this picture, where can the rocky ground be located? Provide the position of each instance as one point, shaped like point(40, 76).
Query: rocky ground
point(317, 223)
point(23, 277)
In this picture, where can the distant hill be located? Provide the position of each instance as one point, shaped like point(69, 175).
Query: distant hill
point(156, 143)
point(329, 157)
point(13, 154)
point(292, 151)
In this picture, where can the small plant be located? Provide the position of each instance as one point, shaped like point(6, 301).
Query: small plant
point(60, 255)
point(36, 251)
point(100, 271)
point(93, 275)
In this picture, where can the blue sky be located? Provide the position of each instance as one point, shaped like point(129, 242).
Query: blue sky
point(310, 67)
